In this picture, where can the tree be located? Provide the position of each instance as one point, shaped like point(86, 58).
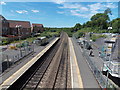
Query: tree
point(100, 20)
point(77, 27)
point(100, 15)
point(116, 25)
point(108, 11)
point(88, 24)
point(83, 26)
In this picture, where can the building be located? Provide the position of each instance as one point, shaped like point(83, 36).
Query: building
point(20, 29)
point(116, 50)
point(14, 29)
point(4, 26)
point(37, 28)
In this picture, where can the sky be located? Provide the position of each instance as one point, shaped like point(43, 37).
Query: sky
point(57, 13)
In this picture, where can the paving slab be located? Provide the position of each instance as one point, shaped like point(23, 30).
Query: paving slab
point(76, 79)
point(87, 76)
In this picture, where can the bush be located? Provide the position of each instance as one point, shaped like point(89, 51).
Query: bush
point(79, 34)
point(4, 42)
point(18, 45)
point(95, 37)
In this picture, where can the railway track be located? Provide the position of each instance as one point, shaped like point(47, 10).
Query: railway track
point(50, 71)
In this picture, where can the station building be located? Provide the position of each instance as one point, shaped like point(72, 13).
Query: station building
point(37, 28)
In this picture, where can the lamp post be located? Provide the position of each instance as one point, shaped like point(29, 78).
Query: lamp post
point(18, 27)
point(109, 28)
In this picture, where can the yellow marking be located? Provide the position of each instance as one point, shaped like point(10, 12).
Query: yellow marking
point(76, 64)
point(116, 63)
point(18, 73)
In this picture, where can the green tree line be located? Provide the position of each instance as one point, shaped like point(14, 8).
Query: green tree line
point(101, 22)
point(98, 23)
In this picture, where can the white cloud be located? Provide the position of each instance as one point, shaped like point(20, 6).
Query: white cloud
point(77, 13)
point(2, 3)
point(75, 9)
point(35, 11)
point(99, 7)
point(95, 6)
point(84, 9)
point(111, 5)
point(21, 11)
point(87, 11)
point(74, 6)
point(70, 6)
point(58, 1)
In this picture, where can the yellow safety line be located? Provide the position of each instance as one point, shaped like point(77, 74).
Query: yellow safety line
point(76, 64)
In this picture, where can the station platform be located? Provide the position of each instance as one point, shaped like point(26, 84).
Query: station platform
point(76, 79)
point(81, 74)
point(10, 80)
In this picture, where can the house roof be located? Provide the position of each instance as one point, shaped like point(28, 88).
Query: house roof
point(1, 17)
point(37, 25)
point(24, 24)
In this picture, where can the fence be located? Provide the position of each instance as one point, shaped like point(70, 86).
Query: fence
point(9, 60)
point(102, 80)
point(50, 39)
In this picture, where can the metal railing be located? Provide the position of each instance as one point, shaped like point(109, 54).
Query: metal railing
point(95, 70)
point(9, 60)
point(50, 39)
